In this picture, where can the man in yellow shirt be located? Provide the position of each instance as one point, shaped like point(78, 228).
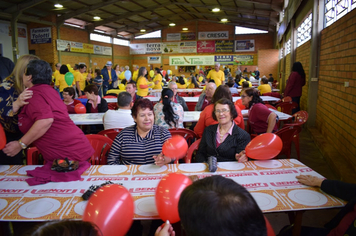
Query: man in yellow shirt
point(56, 72)
point(217, 75)
point(135, 72)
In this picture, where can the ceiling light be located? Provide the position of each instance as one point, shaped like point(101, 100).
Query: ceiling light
point(142, 30)
point(96, 17)
point(185, 29)
point(224, 20)
point(215, 9)
point(172, 24)
point(58, 5)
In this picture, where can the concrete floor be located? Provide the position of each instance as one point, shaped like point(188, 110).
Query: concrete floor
point(310, 156)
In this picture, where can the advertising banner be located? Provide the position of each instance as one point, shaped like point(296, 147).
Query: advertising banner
point(138, 48)
point(170, 47)
point(41, 35)
point(206, 46)
point(224, 46)
point(173, 37)
point(235, 60)
point(153, 48)
point(69, 46)
point(213, 35)
point(245, 45)
point(102, 50)
point(154, 60)
point(191, 60)
point(188, 36)
point(188, 47)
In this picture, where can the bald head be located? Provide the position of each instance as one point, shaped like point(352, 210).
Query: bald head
point(210, 90)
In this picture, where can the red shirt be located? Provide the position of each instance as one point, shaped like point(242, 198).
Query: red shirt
point(258, 118)
point(63, 138)
point(294, 86)
point(70, 107)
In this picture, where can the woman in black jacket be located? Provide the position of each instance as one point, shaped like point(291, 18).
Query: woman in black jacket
point(95, 103)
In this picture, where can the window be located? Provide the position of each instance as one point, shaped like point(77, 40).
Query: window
point(244, 30)
point(304, 31)
point(100, 38)
point(335, 9)
point(281, 53)
point(121, 42)
point(287, 47)
point(155, 34)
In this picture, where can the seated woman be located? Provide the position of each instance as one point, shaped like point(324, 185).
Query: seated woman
point(181, 83)
point(193, 83)
point(206, 116)
point(68, 99)
point(95, 103)
point(142, 143)
point(46, 124)
point(168, 114)
point(225, 140)
point(231, 84)
point(260, 118)
point(264, 87)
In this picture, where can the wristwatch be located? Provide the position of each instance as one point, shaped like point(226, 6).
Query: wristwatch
point(23, 146)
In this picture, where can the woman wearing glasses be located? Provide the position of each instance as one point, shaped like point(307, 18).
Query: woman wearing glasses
point(225, 140)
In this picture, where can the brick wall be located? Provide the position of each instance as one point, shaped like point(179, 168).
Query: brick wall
point(267, 63)
point(303, 56)
point(336, 108)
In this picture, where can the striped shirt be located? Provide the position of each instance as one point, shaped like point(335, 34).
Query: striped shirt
point(129, 148)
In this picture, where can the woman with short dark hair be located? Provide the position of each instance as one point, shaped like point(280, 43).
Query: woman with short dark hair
point(60, 79)
point(68, 99)
point(224, 140)
point(95, 104)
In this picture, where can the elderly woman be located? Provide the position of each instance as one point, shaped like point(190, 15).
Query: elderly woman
point(95, 103)
point(207, 115)
point(260, 118)
point(13, 96)
point(176, 98)
point(142, 143)
point(68, 99)
point(168, 114)
point(46, 124)
point(225, 140)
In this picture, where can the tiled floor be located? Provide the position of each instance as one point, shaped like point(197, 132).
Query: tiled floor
point(310, 156)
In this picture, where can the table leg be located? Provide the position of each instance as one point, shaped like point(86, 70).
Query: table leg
point(297, 223)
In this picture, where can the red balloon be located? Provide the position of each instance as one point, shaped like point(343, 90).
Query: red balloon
point(264, 146)
point(111, 208)
point(175, 147)
point(80, 109)
point(239, 104)
point(2, 138)
point(168, 193)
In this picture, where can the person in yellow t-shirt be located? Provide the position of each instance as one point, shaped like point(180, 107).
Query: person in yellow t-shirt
point(122, 73)
point(135, 72)
point(193, 83)
point(157, 79)
point(79, 79)
point(264, 87)
point(56, 72)
point(217, 75)
point(60, 80)
point(142, 83)
point(181, 83)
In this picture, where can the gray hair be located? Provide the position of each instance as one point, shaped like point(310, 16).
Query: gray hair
point(171, 83)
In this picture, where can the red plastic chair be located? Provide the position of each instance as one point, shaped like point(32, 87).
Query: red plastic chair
point(270, 106)
point(187, 134)
point(191, 106)
point(287, 135)
point(299, 118)
point(101, 145)
point(194, 147)
point(287, 99)
point(110, 133)
point(270, 231)
point(33, 156)
point(273, 94)
point(286, 107)
point(83, 96)
point(110, 96)
point(113, 106)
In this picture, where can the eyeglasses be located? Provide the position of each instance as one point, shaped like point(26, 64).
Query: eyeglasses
point(222, 111)
point(243, 96)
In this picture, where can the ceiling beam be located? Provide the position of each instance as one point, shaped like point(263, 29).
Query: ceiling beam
point(273, 7)
point(27, 19)
point(23, 6)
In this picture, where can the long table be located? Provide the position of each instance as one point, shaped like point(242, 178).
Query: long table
point(272, 183)
point(195, 99)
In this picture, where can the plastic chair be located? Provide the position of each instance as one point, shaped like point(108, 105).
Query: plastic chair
point(299, 118)
point(270, 106)
point(194, 147)
point(287, 99)
point(191, 105)
point(113, 106)
point(101, 145)
point(273, 94)
point(187, 134)
point(286, 107)
point(33, 156)
point(110, 133)
point(287, 135)
point(110, 96)
point(270, 231)
point(83, 96)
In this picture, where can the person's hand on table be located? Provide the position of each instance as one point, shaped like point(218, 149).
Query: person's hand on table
point(12, 148)
point(161, 160)
point(241, 157)
point(310, 180)
point(167, 230)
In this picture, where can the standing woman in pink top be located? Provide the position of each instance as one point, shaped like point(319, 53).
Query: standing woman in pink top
point(295, 83)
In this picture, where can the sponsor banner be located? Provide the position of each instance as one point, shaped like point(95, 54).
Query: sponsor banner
point(102, 50)
point(41, 35)
point(235, 60)
point(69, 46)
point(224, 46)
point(245, 45)
point(138, 48)
point(170, 47)
point(188, 36)
point(191, 60)
point(206, 46)
point(213, 35)
point(173, 37)
point(188, 47)
point(154, 60)
point(153, 48)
